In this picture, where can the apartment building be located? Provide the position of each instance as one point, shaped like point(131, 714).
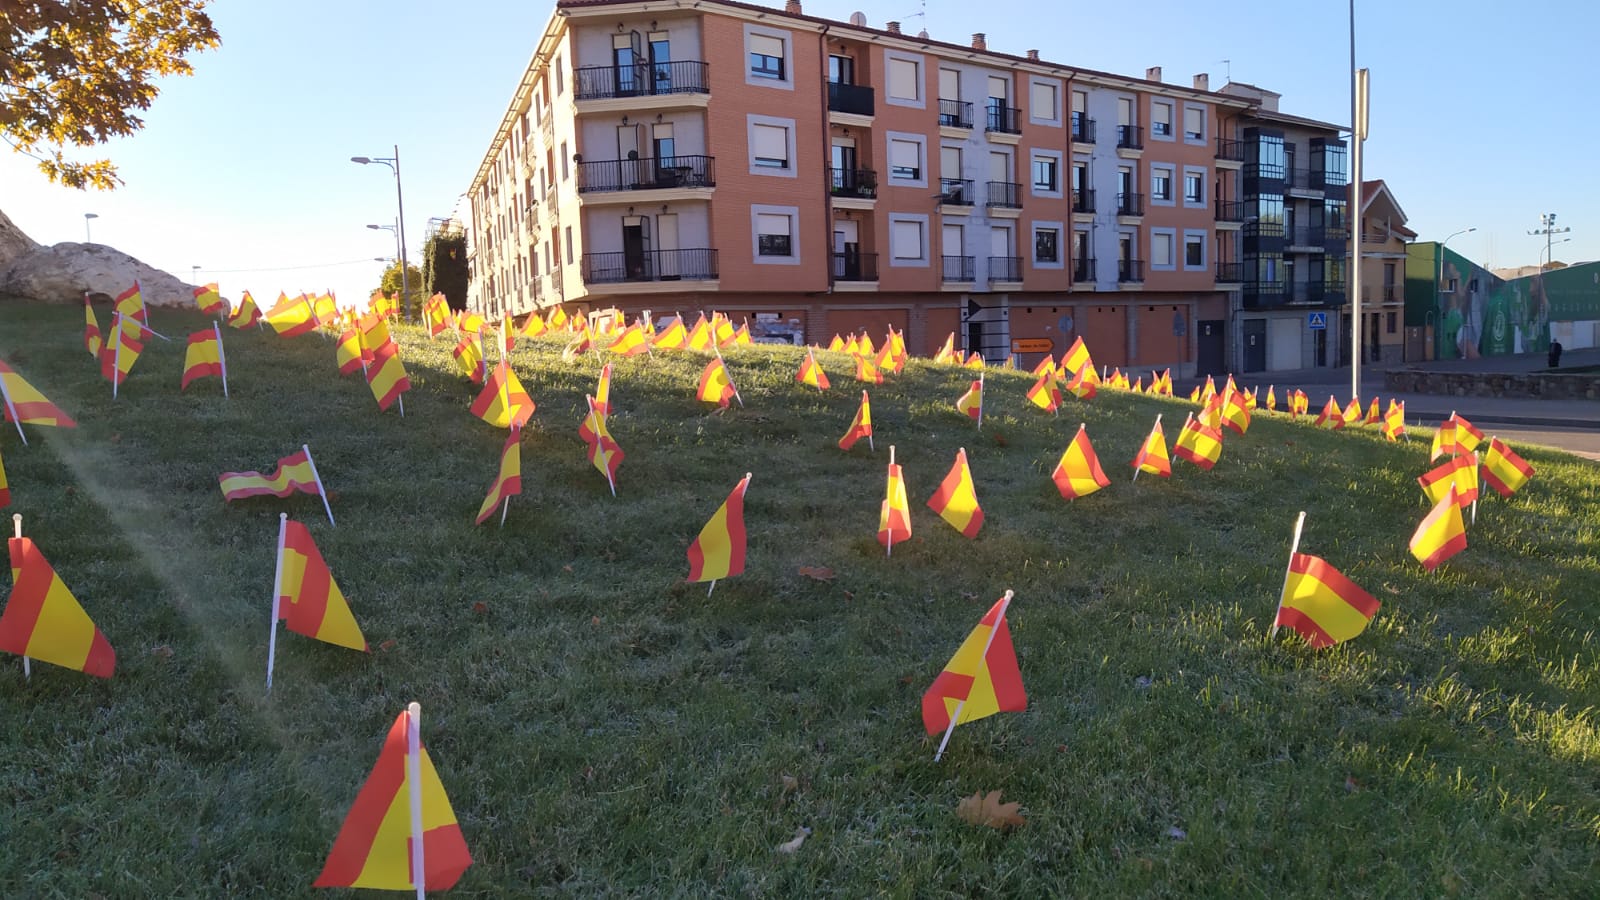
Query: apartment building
point(1385, 243)
point(839, 177)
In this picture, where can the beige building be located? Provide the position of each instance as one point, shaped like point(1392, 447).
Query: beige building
point(1384, 238)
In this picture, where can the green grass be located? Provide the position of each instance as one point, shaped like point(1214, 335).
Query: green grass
point(604, 727)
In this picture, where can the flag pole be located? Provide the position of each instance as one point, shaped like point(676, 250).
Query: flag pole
point(1294, 548)
point(725, 371)
point(1477, 481)
point(116, 353)
point(980, 399)
point(221, 358)
point(419, 871)
point(402, 399)
point(983, 660)
point(16, 531)
point(888, 545)
point(321, 491)
point(11, 409)
point(277, 594)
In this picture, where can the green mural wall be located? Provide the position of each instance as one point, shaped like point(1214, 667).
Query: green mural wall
point(1474, 313)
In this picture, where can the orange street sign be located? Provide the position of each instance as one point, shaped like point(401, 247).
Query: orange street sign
point(1032, 345)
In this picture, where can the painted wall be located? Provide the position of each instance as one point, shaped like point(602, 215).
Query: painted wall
point(1488, 316)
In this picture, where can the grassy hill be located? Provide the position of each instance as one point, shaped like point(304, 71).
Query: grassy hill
point(602, 726)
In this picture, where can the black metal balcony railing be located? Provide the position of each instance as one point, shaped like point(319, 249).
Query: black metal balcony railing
point(1005, 195)
point(955, 114)
point(861, 183)
point(1130, 137)
point(650, 265)
point(1387, 293)
point(642, 79)
point(1264, 170)
point(646, 173)
point(1230, 150)
point(1005, 268)
point(1230, 273)
point(1130, 271)
point(959, 268)
point(1082, 129)
point(1302, 180)
point(955, 191)
point(1082, 270)
point(855, 266)
point(1005, 119)
point(850, 98)
point(1230, 211)
point(1263, 229)
point(1313, 236)
point(1130, 204)
point(1083, 200)
point(1314, 292)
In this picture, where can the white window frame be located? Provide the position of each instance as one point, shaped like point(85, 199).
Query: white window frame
point(1172, 123)
point(1050, 117)
point(786, 83)
point(792, 213)
point(921, 140)
point(1201, 109)
point(915, 59)
point(1201, 237)
point(1170, 171)
point(1061, 173)
point(921, 221)
point(1062, 235)
point(1171, 239)
point(751, 121)
point(1204, 175)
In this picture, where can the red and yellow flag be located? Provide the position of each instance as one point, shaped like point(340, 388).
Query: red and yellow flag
point(1235, 414)
point(946, 354)
point(472, 323)
point(632, 341)
point(507, 481)
point(556, 317)
point(860, 426)
point(715, 384)
point(246, 313)
point(1458, 474)
point(971, 403)
point(894, 517)
point(1394, 421)
point(436, 315)
point(742, 336)
point(579, 346)
point(981, 679)
point(602, 391)
point(1152, 457)
point(956, 501)
point(1503, 469)
point(1078, 474)
point(309, 601)
point(24, 402)
point(5, 486)
point(722, 330)
point(294, 473)
point(375, 845)
point(1300, 404)
point(1352, 412)
point(1374, 415)
point(1076, 357)
point(867, 371)
point(292, 317)
point(42, 620)
point(1442, 533)
point(347, 351)
point(202, 358)
point(1468, 437)
point(864, 345)
point(1046, 392)
point(672, 337)
point(1444, 440)
point(1084, 383)
point(974, 361)
point(605, 454)
point(811, 374)
point(1272, 400)
point(1331, 417)
point(503, 402)
point(91, 329)
point(699, 337)
point(123, 348)
point(1321, 604)
point(386, 376)
point(131, 304)
point(718, 551)
point(1198, 443)
point(469, 357)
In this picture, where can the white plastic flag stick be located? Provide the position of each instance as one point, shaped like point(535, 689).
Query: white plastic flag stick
point(419, 871)
point(277, 593)
point(1294, 548)
point(1477, 482)
point(11, 410)
point(221, 358)
point(712, 587)
point(321, 491)
point(980, 399)
point(16, 529)
point(402, 399)
point(116, 353)
point(982, 661)
point(725, 371)
point(888, 546)
point(504, 508)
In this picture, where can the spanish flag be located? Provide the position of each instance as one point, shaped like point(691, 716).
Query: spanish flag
point(1152, 457)
point(981, 679)
point(605, 454)
point(436, 315)
point(946, 354)
point(347, 352)
point(1459, 473)
point(1468, 437)
point(309, 601)
point(864, 344)
point(246, 313)
point(1331, 417)
point(956, 501)
point(203, 358)
point(469, 357)
point(1394, 421)
point(718, 551)
point(672, 337)
point(91, 329)
point(1504, 470)
point(851, 346)
point(742, 336)
point(532, 327)
point(292, 317)
point(602, 391)
point(1442, 534)
point(294, 473)
point(1300, 404)
point(1046, 392)
point(1076, 357)
point(699, 337)
point(1198, 444)
point(1272, 400)
point(1084, 383)
point(42, 620)
point(971, 403)
point(377, 846)
point(632, 341)
point(894, 518)
point(1374, 416)
point(507, 481)
point(125, 344)
point(715, 384)
point(974, 360)
point(24, 403)
point(811, 374)
point(1444, 440)
point(472, 323)
point(386, 376)
point(860, 426)
point(1321, 604)
point(867, 371)
point(1235, 415)
point(556, 318)
point(1352, 412)
point(131, 304)
point(1078, 474)
point(503, 402)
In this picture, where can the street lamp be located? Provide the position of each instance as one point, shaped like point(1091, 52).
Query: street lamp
point(194, 273)
point(1544, 252)
point(393, 162)
point(395, 230)
point(86, 218)
point(1438, 283)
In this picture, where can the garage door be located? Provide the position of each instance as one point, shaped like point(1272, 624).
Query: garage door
point(1283, 345)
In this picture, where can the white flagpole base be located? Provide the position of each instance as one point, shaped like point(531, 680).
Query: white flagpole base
point(949, 730)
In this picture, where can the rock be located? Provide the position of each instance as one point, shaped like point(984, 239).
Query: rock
point(13, 243)
point(64, 272)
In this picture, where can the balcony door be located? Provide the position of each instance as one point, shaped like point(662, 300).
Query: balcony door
point(846, 251)
point(628, 64)
point(668, 266)
point(630, 140)
point(660, 63)
point(844, 165)
point(663, 149)
point(998, 95)
point(841, 70)
point(1000, 255)
point(636, 248)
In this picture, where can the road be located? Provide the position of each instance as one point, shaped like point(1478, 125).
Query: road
point(1577, 441)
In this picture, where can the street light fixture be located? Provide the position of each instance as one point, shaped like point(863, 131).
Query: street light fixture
point(86, 218)
point(1544, 252)
point(1438, 281)
point(393, 162)
point(194, 273)
point(393, 229)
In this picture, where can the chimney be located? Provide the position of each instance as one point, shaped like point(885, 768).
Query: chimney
point(1033, 55)
point(1202, 82)
point(1152, 74)
point(893, 27)
point(792, 7)
point(978, 43)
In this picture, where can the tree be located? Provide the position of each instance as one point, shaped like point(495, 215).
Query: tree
point(390, 283)
point(445, 256)
point(75, 73)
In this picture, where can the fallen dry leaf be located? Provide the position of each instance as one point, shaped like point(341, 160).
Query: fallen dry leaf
point(388, 645)
point(986, 809)
point(594, 620)
point(791, 846)
point(789, 782)
point(566, 568)
point(480, 607)
point(162, 650)
point(1000, 439)
point(817, 573)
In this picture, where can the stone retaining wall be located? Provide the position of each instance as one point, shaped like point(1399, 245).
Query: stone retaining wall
point(1544, 386)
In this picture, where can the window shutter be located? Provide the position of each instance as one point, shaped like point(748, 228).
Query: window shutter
point(766, 223)
point(766, 46)
point(904, 154)
point(903, 78)
point(771, 142)
point(907, 239)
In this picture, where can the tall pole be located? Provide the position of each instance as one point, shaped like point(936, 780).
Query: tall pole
point(400, 199)
point(1358, 132)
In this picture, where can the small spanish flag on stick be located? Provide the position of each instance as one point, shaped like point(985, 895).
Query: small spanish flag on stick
point(718, 551)
point(956, 501)
point(305, 596)
point(1318, 601)
point(42, 619)
point(204, 357)
point(894, 518)
point(980, 680)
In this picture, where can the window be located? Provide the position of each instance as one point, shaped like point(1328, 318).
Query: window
point(561, 85)
point(1046, 173)
point(766, 57)
point(1047, 245)
point(1160, 183)
point(905, 159)
point(1160, 249)
point(1161, 119)
point(1389, 322)
point(569, 243)
point(769, 146)
point(905, 79)
point(773, 235)
point(1194, 187)
point(1194, 128)
point(1042, 103)
point(841, 70)
point(564, 172)
point(906, 240)
point(1194, 250)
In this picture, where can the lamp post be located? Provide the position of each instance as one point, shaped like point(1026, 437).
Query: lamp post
point(86, 218)
point(1438, 281)
point(393, 162)
point(1548, 220)
point(393, 229)
point(1544, 253)
point(194, 275)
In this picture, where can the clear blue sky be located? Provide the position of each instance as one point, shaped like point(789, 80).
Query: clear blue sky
point(1478, 117)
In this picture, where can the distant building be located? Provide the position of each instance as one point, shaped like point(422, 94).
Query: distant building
point(1461, 310)
point(1384, 239)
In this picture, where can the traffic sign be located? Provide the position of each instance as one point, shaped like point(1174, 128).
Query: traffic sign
point(1317, 321)
point(1032, 345)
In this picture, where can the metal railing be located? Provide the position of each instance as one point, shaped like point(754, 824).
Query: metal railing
point(1314, 292)
point(855, 266)
point(850, 98)
point(861, 183)
point(1130, 204)
point(1083, 270)
point(1005, 195)
point(1230, 150)
point(1083, 200)
point(955, 114)
point(646, 173)
point(640, 80)
point(1005, 268)
point(1082, 129)
point(959, 268)
point(1230, 273)
point(650, 265)
point(955, 191)
point(1230, 211)
point(1130, 271)
point(1005, 119)
point(1130, 137)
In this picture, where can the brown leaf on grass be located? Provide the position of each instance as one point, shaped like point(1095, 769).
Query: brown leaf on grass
point(566, 568)
point(388, 645)
point(1351, 785)
point(817, 573)
point(162, 650)
point(791, 846)
point(594, 620)
point(789, 782)
point(1000, 440)
point(986, 809)
point(116, 438)
point(480, 607)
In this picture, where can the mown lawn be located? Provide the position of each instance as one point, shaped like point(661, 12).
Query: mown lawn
point(604, 727)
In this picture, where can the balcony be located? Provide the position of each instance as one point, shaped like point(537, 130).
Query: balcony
point(1230, 273)
point(855, 267)
point(1083, 201)
point(1004, 119)
point(955, 191)
point(1004, 195)
point(1005, 268)
point(959, 268)
point(1314, 292)
point(1388, 293)
point(955, 114)
point(1130, 204)
point(852, 99)
point(1130, 271)
point(1130, 137)
point(1230, 151)
point(1082, 129)
point(640, 80)
point(1083, 271)
point(1230, 211)
point(1301, 180)
point(857, 183)
point(650, 265)
point(647, 173)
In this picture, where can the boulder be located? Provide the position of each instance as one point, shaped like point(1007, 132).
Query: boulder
point(13, 243)
point(63, 273)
